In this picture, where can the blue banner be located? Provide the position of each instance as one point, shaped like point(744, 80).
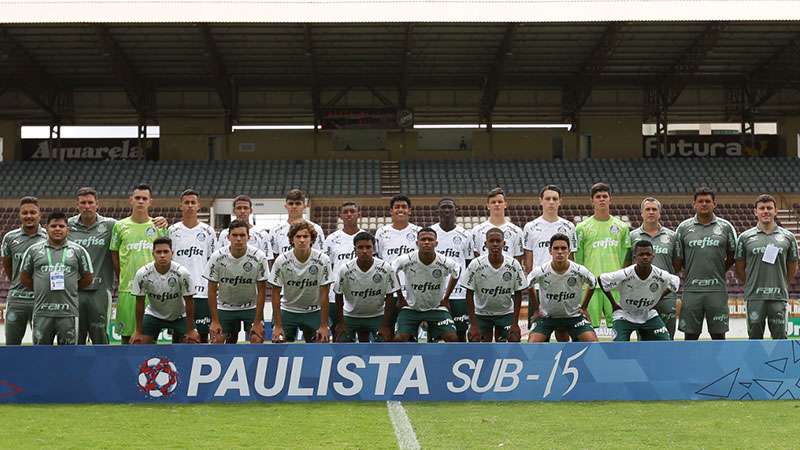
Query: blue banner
point(749, 370)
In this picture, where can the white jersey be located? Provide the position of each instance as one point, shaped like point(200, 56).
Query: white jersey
point(391, 243)
point(638, 297)
point(165, 291)
point(537, 237)
point(260, 238)
point(455, 244)
point(427, 284)
point(511, 233)
point(192, 248)
point(300, 282)
point(280, 238)
point(494, 289)
point(237, 278)
point(560, 294)
point(340, 249)
point(365, 292)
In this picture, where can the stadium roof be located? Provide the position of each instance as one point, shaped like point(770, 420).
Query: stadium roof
point(524, 71)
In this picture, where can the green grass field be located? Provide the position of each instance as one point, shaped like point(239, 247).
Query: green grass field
point(709, 424)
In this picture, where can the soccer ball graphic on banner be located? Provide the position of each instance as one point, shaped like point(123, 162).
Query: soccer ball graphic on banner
point(158, 377)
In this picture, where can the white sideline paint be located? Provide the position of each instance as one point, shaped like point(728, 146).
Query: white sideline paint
point(406, 438)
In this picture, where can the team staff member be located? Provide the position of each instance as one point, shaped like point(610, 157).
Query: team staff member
point(766, 259)
point(55, 269)
point(19, 304)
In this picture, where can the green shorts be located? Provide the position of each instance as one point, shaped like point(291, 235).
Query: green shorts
point(202, 315)
point(233, 321)
point(502, 323)
point(440, 323)
point(652, 330)
point(711, 306)
point(773, 312)
point(46, 329)
point(458, 309)
point(94, 312)
point(575, 326)
point(308, 323)
point(666, 310)
point(356, 325)
point(126, 313)
point(152, 326)
point(19, 315)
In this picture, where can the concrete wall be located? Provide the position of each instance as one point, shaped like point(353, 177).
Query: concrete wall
point(9, 133)
point(788, 129)
point(613, 138)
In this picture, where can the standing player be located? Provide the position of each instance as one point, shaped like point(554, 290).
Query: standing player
point(19, 304)
point(237, 288)
point(766, 259)
point(260, 238)
point(295, 205)
point(641, 286)
point(557, 304)
point(704, 249)
point(93, 232)
point(663, 240)
point(193, 243)
point(496, 204)
point(455, 243)
point(430, 279)
point(340, 249)
point(494, 284)
point(131, 248)
point(170, 287)
point(603, 243)
point(537, 234)
point(364, 291)
point(55, 269)
point(300, 280)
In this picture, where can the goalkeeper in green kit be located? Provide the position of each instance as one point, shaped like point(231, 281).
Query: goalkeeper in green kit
point(603, 243)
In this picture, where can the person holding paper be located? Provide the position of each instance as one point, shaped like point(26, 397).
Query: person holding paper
point(766, 260)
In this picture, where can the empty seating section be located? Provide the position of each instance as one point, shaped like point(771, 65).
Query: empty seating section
point(724, 175)
point(211, 178)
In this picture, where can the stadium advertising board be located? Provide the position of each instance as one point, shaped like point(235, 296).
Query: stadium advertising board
point(710, 146)
point(89, 149)
point(749, 370)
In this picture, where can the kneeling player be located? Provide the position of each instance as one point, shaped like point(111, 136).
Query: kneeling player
point(237, 287)
point(170, 288)
point(556, 305)
point(364, 291)
point(641, 286)
point(494, 284)
point(428, 290)
point(300, 280)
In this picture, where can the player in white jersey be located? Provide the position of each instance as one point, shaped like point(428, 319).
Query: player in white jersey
point(641, 286)
point(557, 303)
point(169, 287)
point(430, 279)
point(454, 242)
point(340, 249)
point(237, 286)
point(364, 291)
point(295, 204)
point(193, 242)
point(300, 280)
point(494, 284)
point(496, 204)
point(260, 238)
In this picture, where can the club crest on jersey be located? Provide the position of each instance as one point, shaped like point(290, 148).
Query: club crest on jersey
point(653, 287)
point(150, 231)
point(507, 276)
point(410, 236)
point(201, 236)
point(456, 240)
point(247, 267)
point(313, 270)
point(664, 239)
point(172, 282)
point(437, 273)
point(717, 230)
point(101, 228)
point(614, 229)
point(68, 253)
point(572, 281)
point(377, 278)
point(779, 238)
point(562, 229)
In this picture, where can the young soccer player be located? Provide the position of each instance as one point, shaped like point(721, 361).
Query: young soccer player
point(295, 205)
point(496, 204)
point(340, 249)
